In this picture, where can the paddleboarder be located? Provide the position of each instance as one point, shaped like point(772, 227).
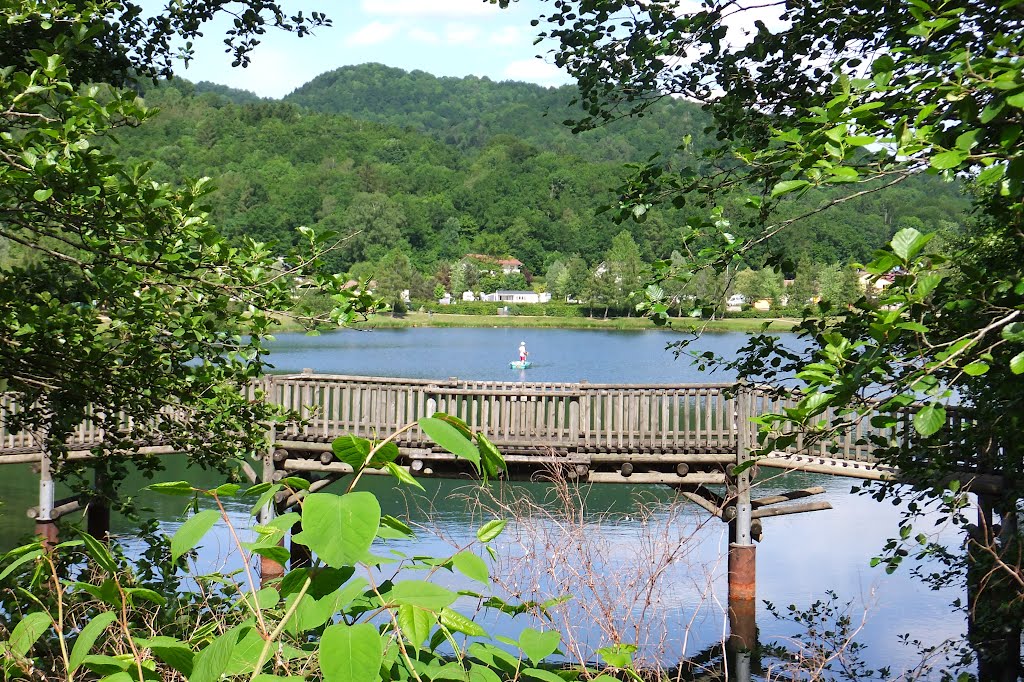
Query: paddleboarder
point(522, 351)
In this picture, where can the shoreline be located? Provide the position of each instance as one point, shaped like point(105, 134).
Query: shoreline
point(683, 324)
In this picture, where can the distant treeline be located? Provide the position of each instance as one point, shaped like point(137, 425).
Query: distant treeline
point(440, 167)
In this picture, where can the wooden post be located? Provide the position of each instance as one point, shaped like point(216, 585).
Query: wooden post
point(97, 522)
point(742, 553)
point(46, 524)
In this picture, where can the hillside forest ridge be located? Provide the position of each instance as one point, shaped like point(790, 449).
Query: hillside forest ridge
point(422, 171)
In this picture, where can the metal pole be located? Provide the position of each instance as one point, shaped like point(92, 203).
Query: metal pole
point(46, 525)
point(269, 569)
point(742, 553)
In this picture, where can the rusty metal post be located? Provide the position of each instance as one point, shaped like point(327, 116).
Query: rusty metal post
point(742, 553)
point(269, 569)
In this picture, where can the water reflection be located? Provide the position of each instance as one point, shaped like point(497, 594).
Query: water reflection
point(641, 566)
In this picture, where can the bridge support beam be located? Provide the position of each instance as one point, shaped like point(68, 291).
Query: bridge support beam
point(97, 522)
point(742, 553)
point(269, 569)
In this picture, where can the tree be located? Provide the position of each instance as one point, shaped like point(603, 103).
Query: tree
point(372, 225)
point(131, 302)
point(573, 281)
point(805, 285)
point(624, 270)
point(838, 286)
point(864, 95)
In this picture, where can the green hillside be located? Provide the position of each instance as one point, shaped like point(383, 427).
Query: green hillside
point(456, 166)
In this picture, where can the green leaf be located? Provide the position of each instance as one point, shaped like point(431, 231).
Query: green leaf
point(948, 159)
point(450, 438)
point(787, 186)
point(87, 637)
point(339, 528)
point(351, 653)
point(27, 631)
point(908, 242)
point(538, 645)
point(1013, 332)
point(100, 553)
point(147, 594)
point(211, 662)
point(455, 621)
point(171, 651)
point(23, 559)
point(421, 593)
point(976, 368)
point(542, 675)
point(493, 462)
point(176, 488)
point(471, 566)
point(929, 419)
point(402, 475)
point(618, 655)
point(401, 529)
point(1016, 100)
point(273, 552)
point(415, 623)
point(490, 530)
point(1017, 363)
point(351, 450)
point(192, 531)
point(42, 194)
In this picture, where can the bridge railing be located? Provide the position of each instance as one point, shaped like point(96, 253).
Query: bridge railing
point(591, 417)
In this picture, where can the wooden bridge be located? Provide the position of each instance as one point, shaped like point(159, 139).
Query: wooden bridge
point(688, 434)
point(690, 437)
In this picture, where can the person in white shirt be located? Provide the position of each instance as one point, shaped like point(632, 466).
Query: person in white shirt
point(522, 351)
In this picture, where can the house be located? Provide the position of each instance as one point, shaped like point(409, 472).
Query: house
point(510, 296)
point(764, 304)
point(509, 266)
point(874, 283)
point(735, 303)
point(468, 296)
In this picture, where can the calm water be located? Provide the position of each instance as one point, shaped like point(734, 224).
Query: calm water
point(620, 532)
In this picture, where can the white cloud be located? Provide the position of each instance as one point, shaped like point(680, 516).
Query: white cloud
point(271, 73)
point(535, 71)
point(446, 9)
point(460, 34)
point(373, 33)
point(507, 36)
point(422, 35)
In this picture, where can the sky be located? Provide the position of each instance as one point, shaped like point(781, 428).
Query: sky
point(442, 37)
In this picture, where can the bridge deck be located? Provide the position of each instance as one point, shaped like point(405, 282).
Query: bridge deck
point(665, 433)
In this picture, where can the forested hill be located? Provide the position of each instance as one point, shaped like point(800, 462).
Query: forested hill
point(469, 112)
point(279, 165)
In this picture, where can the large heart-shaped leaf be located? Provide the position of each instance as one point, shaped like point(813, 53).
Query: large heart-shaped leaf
point(339, 528)
point(351, 653)
point(539, 645)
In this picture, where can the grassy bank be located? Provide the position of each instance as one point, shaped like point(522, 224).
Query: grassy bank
point(549, 322)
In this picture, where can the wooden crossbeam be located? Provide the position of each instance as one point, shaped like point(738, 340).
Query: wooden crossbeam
point(786, 497)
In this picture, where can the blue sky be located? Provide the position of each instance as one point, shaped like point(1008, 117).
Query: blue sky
point(442, 37)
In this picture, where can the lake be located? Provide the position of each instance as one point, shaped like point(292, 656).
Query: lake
point(656, 565)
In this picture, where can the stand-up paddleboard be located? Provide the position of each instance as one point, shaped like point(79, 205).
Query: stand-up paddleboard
point(520, 364)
